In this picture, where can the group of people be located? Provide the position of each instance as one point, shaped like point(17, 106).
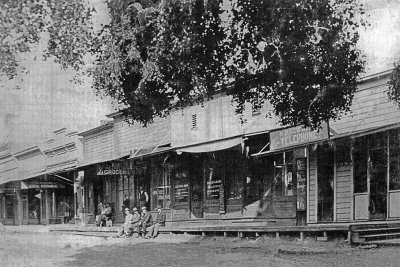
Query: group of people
point(140, 222)
point(135, 222)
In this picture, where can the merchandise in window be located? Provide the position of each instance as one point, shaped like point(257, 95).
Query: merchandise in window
point(161, 194)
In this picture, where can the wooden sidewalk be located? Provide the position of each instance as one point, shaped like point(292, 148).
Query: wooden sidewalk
point(318, 230)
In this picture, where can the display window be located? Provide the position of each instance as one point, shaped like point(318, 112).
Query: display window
point(181, 187)
point(161, 187)
point(34, 199)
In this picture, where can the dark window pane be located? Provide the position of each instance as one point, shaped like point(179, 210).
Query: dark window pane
point(360, 165)
point(394, 152)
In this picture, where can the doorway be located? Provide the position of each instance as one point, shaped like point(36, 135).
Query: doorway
point(377, 177)
point(370, 177)
point(325, 169)
point(11, 209)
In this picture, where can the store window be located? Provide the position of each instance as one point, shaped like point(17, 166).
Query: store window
point(214, 179)
point(34, 198)
point(181, 187)
point(10, 209)
point(360, 159)
point(378, 163)
point(234, 168)
point(281, 181)
point(124, 191)
point(394, 160)
point(161, 193)
point(110, 195)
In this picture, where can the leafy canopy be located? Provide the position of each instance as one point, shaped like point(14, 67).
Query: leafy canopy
point(154, 56)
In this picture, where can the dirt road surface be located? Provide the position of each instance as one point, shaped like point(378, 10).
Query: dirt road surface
point(48, 249)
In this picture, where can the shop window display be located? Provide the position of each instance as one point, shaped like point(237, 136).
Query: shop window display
point(161, 193)
point(280, 171)
point(181, 187)
point(34, 199)
point(124, 191)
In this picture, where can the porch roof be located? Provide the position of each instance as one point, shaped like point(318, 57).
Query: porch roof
point(215, 145)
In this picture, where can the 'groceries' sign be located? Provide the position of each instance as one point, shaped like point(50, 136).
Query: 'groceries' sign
point(296, 136)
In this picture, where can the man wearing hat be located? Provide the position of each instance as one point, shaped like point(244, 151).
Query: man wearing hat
point(160, 221)
point(106, 212)
point(145, 220)
point(126, 228)
point(136, 220)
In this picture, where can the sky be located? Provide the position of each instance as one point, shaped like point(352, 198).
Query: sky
point(48, 101)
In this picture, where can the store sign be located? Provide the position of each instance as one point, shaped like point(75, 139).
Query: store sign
point(114, 169)
point(296, 136)
point(43, 184)
point(181, 191)
point(213, 189)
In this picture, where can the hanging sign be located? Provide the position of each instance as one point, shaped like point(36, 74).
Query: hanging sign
point(43, 184)
point(295, 136)
point(113, 169)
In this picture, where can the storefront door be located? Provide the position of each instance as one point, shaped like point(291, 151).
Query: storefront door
point(325, 167)
point(370, 177)
point(11, 209)
point(377, 177)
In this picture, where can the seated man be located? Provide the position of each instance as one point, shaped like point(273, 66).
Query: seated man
point(105, 213)
point(160, 221)
point(136, 220)
point(145, 220)
point(126, 228)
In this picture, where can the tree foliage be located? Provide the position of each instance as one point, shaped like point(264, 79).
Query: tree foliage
point(153, 56)
point(66, 26)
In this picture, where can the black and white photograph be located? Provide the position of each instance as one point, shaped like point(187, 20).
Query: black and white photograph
point(199, 133)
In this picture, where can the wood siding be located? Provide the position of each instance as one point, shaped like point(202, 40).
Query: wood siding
point(130, 137)
point(313, 187)
point(216, 120)
point(99, 145)
point(343, 192)
point(370, 109)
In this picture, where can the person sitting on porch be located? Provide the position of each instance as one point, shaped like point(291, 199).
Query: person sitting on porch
point(136, 220)
point(126, 228)
point(105, 213)
point(145, 220)
point(160, 221)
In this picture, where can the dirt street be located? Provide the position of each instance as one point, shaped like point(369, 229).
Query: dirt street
point(48, 249)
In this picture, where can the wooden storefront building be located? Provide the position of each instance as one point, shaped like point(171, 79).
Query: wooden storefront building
point(36, 186)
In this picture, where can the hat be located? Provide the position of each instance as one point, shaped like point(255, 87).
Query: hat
point(159, 207)
point(134, 209)
point(126, 209)
point(144, 208)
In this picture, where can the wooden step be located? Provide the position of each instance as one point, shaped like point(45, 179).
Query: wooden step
point(376, 229)
point(380, 235)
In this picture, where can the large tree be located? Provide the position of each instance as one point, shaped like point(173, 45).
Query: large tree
point(154, 56)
